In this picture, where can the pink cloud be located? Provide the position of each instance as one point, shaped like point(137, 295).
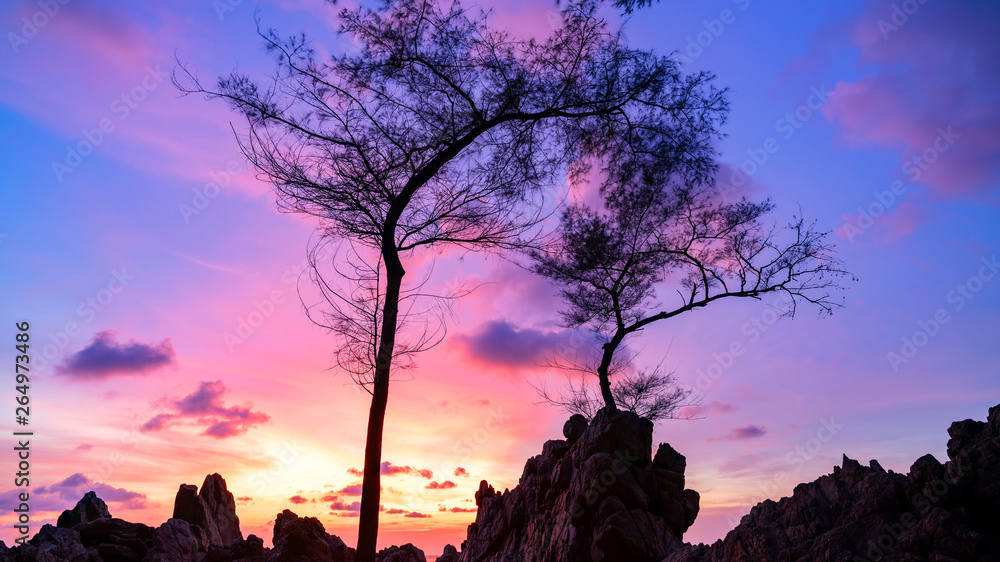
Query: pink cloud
point(747, 432)
point(389, 469)
point(441, 485)
point(713, 407)
point(352, 490)
point(205, 406)
point(298, 499)
point(930, 94)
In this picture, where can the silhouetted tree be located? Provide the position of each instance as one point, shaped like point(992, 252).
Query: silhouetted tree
point(658, 229)
point(654, 395)
point(442, 130)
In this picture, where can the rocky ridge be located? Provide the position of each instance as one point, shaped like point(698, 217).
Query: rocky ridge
point(596, 496)
point(944, 512)
point(204, 528)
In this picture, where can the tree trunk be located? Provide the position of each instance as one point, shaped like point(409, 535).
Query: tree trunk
point(371, 485)
point(604, 376)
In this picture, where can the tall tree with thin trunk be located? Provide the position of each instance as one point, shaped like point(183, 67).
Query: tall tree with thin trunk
point(442, 131)
point(658, 231)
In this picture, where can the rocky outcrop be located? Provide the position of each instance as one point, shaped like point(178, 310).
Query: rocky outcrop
point(53, 544)
point(304, 538)
point(450, 554)
point(405, 553)
point(89, 508)
point(213, 509)
point(862, 513)
point(249, 550)
point(177, 539)
point(598, 495)
point(204, 529)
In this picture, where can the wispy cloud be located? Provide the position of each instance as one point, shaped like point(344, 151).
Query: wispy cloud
point(746, 432)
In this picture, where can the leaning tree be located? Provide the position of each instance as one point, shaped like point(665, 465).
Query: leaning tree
point(665, 243)
point(443, 130)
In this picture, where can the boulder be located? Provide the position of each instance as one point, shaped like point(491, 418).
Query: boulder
point(304, 538)
point(450, 554)
point(249, 550)
point(574, 427)
point(405, 553)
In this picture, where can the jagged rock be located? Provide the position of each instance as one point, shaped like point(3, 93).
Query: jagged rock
point(177, 539)
point(574, 427)
point(405, 553)
point(304, 538)
point(117, 539)
point(938, 511)
point(597, 497)
point(54, 544)
point(450, 554)
point(89, 508)
point(213, 509)
point(249, 550)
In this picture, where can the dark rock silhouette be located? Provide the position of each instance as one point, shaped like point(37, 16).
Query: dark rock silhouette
point(405, 553)
point(574, 428)
point(304, 538)
point(861, 513)
point(89, 508)
point(213, 509)
point(249, 550)
point(450, 554)
point(177, 539)
point(599, 495)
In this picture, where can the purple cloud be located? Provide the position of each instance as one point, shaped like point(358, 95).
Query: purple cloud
point(498, 343)
point(441, 485)
point(205, 406)
point(417, 515)
point(352, 490)
point(389, 469)
point(713, 407)
point(105, 357)
point(747, 432)
point(64, 494)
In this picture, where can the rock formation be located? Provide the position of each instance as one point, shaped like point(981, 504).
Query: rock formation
point(213, 509)
point(89, 508)
point(450, 554)
point(862, 513)
point(405, 553)
point(598, 495)
point(304, 538)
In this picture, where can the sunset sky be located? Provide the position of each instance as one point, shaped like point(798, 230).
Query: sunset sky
point(162, 284)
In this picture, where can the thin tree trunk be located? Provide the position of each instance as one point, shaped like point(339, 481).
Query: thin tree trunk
point(371, 485)
point(604, 376)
